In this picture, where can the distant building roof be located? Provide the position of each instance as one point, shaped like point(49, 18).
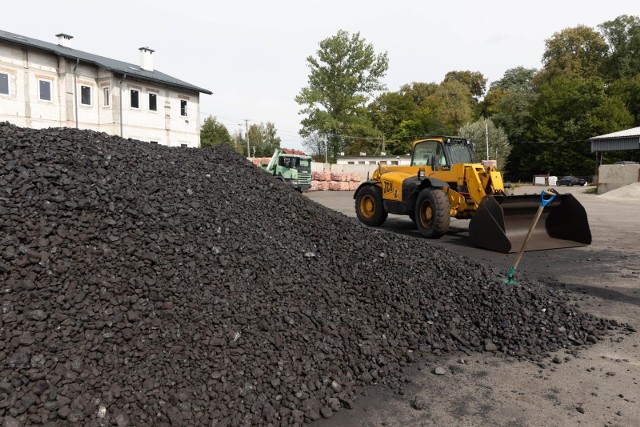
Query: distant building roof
point(628, 139)
point(112, 65)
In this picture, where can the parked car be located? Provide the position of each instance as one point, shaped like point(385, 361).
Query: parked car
point(570, 181)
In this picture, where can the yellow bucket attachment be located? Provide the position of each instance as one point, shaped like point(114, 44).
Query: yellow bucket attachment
point(501, 223)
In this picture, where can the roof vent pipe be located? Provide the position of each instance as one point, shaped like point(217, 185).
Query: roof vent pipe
point(64, 39)
point(146, 58)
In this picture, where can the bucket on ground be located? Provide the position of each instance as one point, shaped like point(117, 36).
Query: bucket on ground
point(501, 223)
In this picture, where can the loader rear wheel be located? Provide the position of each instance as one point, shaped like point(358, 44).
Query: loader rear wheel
point(432, 213)
point(369, 207)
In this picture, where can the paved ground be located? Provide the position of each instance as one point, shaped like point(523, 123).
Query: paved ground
point(597, 387)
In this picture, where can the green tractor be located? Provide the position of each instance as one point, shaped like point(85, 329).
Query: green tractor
point(290, 166)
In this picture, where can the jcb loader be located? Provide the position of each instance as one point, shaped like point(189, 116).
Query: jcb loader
point(443, 182)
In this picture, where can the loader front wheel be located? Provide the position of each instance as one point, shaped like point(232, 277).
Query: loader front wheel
point(432, 213)
point(369, 207)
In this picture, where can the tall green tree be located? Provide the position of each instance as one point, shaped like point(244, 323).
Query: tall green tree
point(579, 51)
point(628, 90)
point(345, 73)
point(263, 139)
point(623, 37)
point(474, 80)
point(484, 132)
point(567, 112)
point(509, 100)
point(213, 133)
point(454, 106)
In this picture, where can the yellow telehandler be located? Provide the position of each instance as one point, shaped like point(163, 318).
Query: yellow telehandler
point(443, 182)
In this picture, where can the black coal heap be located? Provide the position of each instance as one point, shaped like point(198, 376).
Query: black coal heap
point(148, 285)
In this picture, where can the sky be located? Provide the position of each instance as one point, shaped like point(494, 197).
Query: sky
point(252, 53)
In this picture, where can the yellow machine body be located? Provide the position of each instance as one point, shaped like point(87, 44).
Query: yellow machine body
point(471, 191)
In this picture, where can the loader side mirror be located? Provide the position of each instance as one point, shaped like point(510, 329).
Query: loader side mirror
point(421, 174)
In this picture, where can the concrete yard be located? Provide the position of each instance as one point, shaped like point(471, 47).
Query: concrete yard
point(595, 387)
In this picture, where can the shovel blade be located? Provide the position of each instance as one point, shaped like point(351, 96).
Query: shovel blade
point(501, 223)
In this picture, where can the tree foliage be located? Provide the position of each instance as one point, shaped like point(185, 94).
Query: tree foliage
point(567, 112)
point(623, 37)
point(343, 76)
point(484, 132)
point(473, 80)
point(579, 51)
point(263, 139)
point(214, 133)
point(509, 100)
point(588, 85)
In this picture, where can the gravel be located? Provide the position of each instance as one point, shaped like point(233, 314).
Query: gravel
point(149, 285)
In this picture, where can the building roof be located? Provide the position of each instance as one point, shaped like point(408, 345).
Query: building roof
point(115, 66)
point(628, 133)
point(628, 139)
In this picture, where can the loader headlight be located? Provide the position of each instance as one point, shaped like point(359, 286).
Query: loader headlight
point(421, 173)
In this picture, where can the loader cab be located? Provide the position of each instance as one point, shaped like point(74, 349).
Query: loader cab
point(429, 153)
point(442, 152)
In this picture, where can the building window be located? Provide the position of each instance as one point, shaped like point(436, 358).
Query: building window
point(183, 107)
point(44, 90)
point(153, 102)
point(105, 96)
point(135, 98)
point(4, 83)
point(85, 95)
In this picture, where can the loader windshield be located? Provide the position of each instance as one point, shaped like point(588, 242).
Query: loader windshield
point(424, 152)
point(459, 153)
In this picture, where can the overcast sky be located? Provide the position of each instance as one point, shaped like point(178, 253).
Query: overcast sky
point(252, 53)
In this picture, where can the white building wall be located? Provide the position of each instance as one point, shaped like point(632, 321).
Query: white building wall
point(23, 106)
point(13, 106)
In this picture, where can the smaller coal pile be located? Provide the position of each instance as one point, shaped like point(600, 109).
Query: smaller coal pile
point(148, 285)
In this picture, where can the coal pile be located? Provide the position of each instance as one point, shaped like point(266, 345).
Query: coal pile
point(148, 285)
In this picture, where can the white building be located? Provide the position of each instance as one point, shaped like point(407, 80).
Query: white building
point(45, 85)
point(403, 160)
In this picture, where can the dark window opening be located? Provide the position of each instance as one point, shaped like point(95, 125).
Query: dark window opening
point(45, 90)
point(153, 102)
point(183, 107)
point(4, 83)
point(105, 92)
point(135, 99)
point(85, 95)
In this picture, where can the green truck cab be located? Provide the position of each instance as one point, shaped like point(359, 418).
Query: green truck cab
point(292, 167)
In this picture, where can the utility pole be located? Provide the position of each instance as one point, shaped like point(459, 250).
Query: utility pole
point(246, 134)
point(486, 133)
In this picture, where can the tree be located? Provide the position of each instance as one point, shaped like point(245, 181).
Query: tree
point(214, 133)
point(263, 139)
point(517, 79)
point(342, 78)
point(623, 37)
point(478, 132)
point(473, 80)
point(453, 106)
point(579, 51)
point(628, 90)
point(317, 146)
point(508, 102)
point(567, 112)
